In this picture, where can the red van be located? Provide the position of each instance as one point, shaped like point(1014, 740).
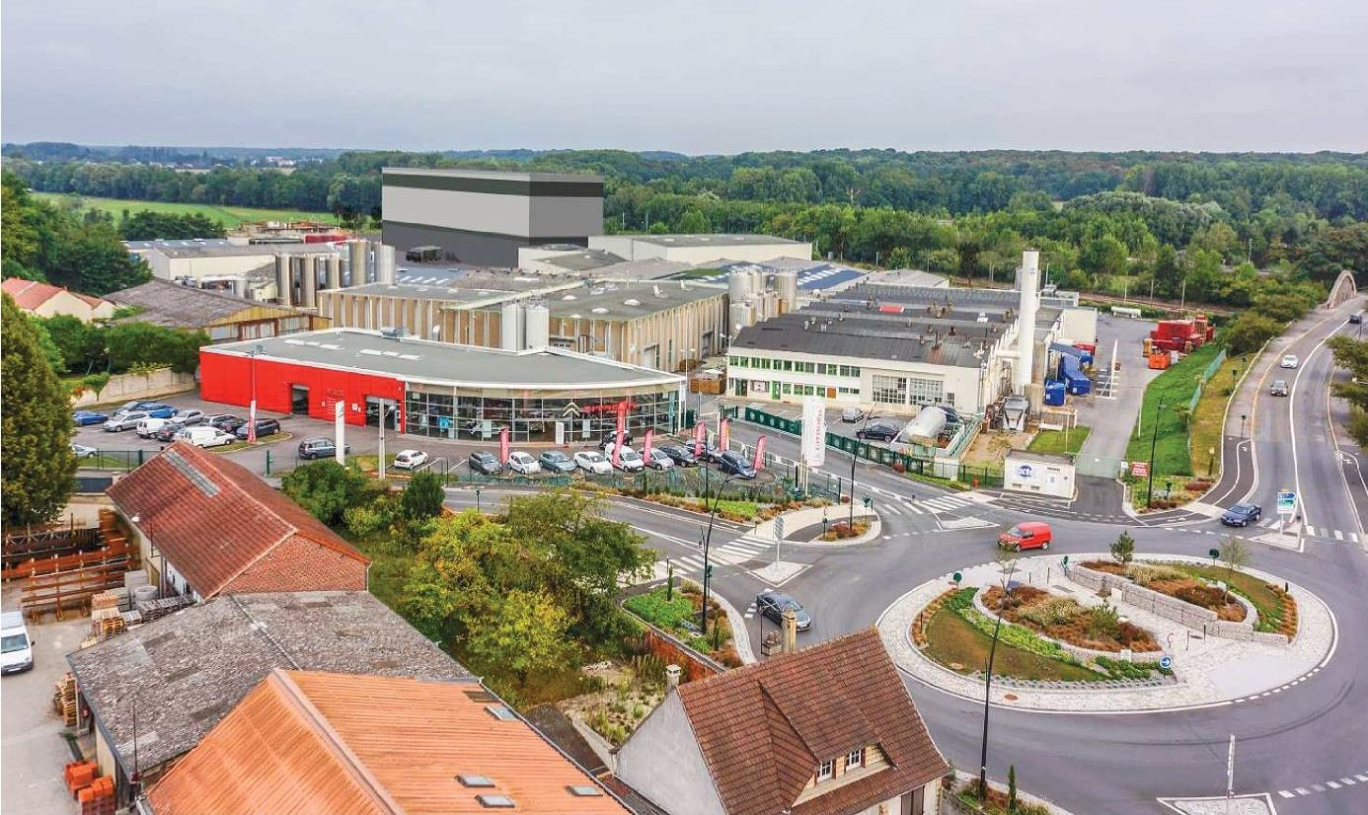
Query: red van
point(1026, 535)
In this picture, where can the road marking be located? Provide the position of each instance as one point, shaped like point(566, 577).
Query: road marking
point(1332, 785)
point(1303, 791)
point(1363, 778)
point(1351, 782)
point(1310, 530)
point(914, 508)
point(892, 508)
point(1318, 787)
point(1286, 794)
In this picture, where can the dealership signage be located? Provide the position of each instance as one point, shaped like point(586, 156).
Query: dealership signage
point(814, 431)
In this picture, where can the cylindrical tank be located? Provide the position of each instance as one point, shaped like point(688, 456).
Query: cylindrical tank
point(786, 285)
point(356, 266)
point(926, 428)
point(739, 285)
point(741, 316)
point(1030, 294)
point(284, 286)
point(386, 261)
point(334, 271)
point(308, 281)
point(511, 327)
point(538, 318)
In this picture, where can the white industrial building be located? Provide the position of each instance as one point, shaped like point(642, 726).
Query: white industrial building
point(701, 249)
point(247, 270)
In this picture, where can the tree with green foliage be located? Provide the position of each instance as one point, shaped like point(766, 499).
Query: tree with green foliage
point(1352, 355)
point(91, 259)
point(144, 344)
point(1011, 788)
point(1249, 332)
point(423, 497)
point(36, 414)
point(527, 636)
point(1123, 548)
point(1235, 556)
point(146, 225)
point(1333, 250)
point(324, 488)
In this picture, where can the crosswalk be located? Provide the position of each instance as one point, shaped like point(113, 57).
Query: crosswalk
point(741, 550)
point(924, 506)
point(1315, 531)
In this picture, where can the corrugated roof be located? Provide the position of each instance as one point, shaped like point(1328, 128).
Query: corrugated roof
point(859, 339)
point(764, 728)
point(305, 742)
point(163, 302)
point(212, 535)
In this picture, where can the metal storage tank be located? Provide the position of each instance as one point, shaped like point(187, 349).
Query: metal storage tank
point(356, 265)
point(926, 428)
point(511, 327)
point(386, 261)
point(786, 285)
point(741, 316)
point(284, 285)
point(739, 285)
point(308, 277)
point(538, 320)
point(334, 271)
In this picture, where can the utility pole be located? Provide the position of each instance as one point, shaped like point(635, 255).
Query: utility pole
point(1007, 572)
point(854, 459)
point(1154, 439)
point(1182, 302)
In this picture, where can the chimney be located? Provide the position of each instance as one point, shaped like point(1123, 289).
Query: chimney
point(671, 678)
point(1025, 363)
point(790, 631)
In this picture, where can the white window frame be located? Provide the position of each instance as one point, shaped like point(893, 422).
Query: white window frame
point(826, 770)
point(855, 758)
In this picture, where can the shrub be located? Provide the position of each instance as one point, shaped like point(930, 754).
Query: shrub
point(1147, 573)
point(1103, 621)
point(1054, 611)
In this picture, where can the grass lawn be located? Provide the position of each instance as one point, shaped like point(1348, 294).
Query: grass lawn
point(230, 217)
point(1060, 441)
point(951, 639)
point(1208, 421)
point(1174, 389)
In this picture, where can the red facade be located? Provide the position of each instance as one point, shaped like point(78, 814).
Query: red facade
point(228, 378)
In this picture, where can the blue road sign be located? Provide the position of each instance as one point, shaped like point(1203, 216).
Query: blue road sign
point(1166, 662)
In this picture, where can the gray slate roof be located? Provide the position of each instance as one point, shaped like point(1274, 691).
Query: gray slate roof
point(186, 671)
point(171, 304)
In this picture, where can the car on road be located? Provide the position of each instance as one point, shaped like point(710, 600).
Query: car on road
point(627, 459)
point(82, 451)
point(1027, 535)
point(773, 604)
point(226, 422)
point(523, 463)
point(205, 436)
point(1356, 317)
point(593, 462)
point(1242, 515)
point(81, 418)
point(733, 463)
point(189, 416)
point(485, 463)
point(852, 414)
point(1278, 388)
point(15, 643)
point(878, 432)
point(1290, 361)
point(554, 461)
point(264, 428)
point(410, 459)
point(680, 454)
point(120, 422)
point(659, 460)
point(168, 430)
point(319, 447)
point(610, 438)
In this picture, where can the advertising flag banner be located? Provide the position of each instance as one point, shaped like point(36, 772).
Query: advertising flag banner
point(251, 423)
point(814, 431)
point(700, 434)
point(723, 435)
point(503, 446)
point(759, 454)
point(646, 445)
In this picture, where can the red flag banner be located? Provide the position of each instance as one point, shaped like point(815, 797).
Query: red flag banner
point(503, 446)
point(251, 423)
point(700, 433)
point(760, 454)
point(723, 435)
point(646, 445)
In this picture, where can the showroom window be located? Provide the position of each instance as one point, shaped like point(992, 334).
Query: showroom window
point(890, 390)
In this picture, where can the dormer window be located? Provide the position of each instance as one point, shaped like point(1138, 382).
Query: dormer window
point(855, 758)
point(826, 769)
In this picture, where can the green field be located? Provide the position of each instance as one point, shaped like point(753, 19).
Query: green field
point(1174, 388)
point(230, 217)
point(1060, 441)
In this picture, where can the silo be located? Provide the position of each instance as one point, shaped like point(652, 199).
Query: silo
point(759, 277)
point(740, 313)
point(386, 261)
point(334, 271)
point(284, 286)
point(1028, 278)
point(511, 326)
point(786, 285)
point(739, 285)
point(538, 319)
point(308, 277)
point(357, 262)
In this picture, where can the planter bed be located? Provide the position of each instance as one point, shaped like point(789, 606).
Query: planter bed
point(1177, 582)
point(1064, 619)
point(678, 617)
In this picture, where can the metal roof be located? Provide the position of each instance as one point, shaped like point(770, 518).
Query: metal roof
point(719, 241)
point(415, 360)
point(856, 339)
point(493, 175)
point(220, 247)
point(625, 300)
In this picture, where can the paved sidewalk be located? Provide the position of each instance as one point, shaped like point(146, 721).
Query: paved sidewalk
point(1210, 671)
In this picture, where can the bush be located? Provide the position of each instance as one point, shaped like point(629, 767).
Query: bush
point(1054, 611)
point(423, 497)
point(1250, 331)
point(1103, 621)
point(324, 488)
point(1147, 573)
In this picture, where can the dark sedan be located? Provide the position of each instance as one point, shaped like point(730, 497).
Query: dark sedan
point(681, 455)
point(226, 422)
point(734, 463)
point(1242, 515)
point(773, 604)
point(87, 417)
point(168, 431)
point(485, 463)
point(878, 432)
point(264, 428)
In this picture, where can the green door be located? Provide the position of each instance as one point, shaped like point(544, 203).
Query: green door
point(774, 390)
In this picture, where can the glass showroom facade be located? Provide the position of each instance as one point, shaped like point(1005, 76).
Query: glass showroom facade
point(551, 417)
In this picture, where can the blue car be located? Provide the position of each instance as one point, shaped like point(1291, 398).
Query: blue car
point(156, 410)
point(85, 417)
point(1242, 515)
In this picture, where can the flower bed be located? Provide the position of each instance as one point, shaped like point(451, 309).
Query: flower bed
point(844, 531)
point(1063, 618)
point(1175, 582)
point(678, 617)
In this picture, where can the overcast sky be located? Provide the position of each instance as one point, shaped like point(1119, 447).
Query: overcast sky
point(708, 76)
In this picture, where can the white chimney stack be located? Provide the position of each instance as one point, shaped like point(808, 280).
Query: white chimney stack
point(1030, 300)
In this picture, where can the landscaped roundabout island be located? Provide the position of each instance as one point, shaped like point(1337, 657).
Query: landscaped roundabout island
point(1102, 634)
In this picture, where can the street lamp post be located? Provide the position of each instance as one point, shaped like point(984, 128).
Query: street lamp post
point(1154, 439)
point(854, 459)
point(1008, 569)
point(707, 548)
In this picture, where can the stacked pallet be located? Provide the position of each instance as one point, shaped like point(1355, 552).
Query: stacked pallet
point(105, 618)
point(64, 700)
point(154, 609)
point(79, 775)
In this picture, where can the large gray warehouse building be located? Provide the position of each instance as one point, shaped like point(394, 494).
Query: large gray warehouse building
point(482, 218)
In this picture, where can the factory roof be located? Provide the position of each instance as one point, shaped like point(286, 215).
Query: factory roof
point(492, 175)
point(220, 247)
point(415, 360)
point(442, 292)
point(579, 259)
point(650, 269)
point(162, 302)
point(626, 300)
point(800, 334)
point(720, 241)
point(455, 277)
point(915, 278)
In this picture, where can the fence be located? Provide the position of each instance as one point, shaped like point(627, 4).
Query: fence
point(114, 460)
point(1206, 376)
point(686, 483)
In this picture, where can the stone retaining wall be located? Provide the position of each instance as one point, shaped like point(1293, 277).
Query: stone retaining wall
point(126, 387)
point(1078, 652)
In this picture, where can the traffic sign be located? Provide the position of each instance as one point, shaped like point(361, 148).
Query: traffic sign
point(1166, 662)
point(1139, 469)
point(779, 527)
point(1287, 502)
point(957, 578)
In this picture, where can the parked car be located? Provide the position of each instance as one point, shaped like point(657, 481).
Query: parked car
point(628, 460)
point(680, 454)
point(410, 459)
point(593, 462)
point(15, 643)
point(264, 428)
point(319, 447)
point(852, 414)
point(554, 461)
point(1026, 535)
point(82, 451)
point(878, 432)
point(137, 404)
point(1290, 361)
point(226, 422)
point(189, 417)
point(168, 430)
point(81, 418)
point(1278, 388)
point(659, 460)
point(610, 438)
point(205, 436)
point(485, 463)
point(710, 453)
point(148, 427)
point(1242, 515)
point(773, 604)
point(523, 463)
point(120, 422)
point(733, 463)
point(1356, 317)
point(158, 410)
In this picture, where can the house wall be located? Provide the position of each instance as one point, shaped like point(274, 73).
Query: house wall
point(662, 761)
point(227, 378)
point(67, 303)
point(299, 564)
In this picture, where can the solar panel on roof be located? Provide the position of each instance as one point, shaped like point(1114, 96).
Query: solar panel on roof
point(192, 473)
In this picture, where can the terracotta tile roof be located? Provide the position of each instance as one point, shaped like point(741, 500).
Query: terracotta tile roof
point(212, 518)
point(764, 728)
point(305, 742)
point(30, 294)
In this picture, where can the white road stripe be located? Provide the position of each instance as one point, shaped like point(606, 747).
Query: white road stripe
point(1311, 530)
point(1286, 794)
point(916, 510)
point(1332, 785)
point(1303, 791)
point(1339, 536)
point(1353, 536)
point(892, 508)
point(1349, 781)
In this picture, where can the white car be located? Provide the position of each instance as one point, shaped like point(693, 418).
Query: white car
point(189, 417)
point(205, 436)
point(628, 460)
point(1290, 361)
point(592, 461)
point(410, 459)
point(82, 451)
point(523, 463)
point(659, 460)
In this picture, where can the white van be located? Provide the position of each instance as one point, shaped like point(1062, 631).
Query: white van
point(205, 436)
point(17, 647)
point(146, 427)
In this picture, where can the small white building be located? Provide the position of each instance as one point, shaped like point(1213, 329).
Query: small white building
point(701, 249)
point(1039, 474)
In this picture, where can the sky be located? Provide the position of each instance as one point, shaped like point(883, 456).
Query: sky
point(708, 76)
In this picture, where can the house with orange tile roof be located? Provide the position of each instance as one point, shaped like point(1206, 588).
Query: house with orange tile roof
point(46, 300)
point(311, 742)
point(208, 526)
point(828, 730)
